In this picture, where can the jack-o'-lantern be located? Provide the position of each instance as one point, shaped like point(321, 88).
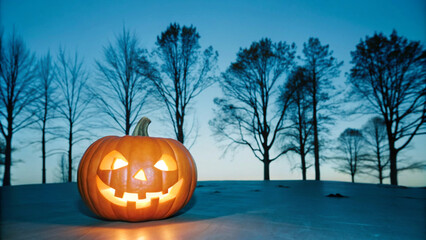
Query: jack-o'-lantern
point(136, 178)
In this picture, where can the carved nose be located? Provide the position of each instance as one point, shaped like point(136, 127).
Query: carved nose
point(140, 175)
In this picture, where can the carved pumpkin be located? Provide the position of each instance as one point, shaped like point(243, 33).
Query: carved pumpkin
point(136, 178)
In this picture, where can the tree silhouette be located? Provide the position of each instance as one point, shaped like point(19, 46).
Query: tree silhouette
point(16, 93)
point(123, 91)
point(351, 146)
point(185, 72)
point(62, 172)
point(374, 132)
point(71, 79)
point(44, 105)
point(322, 67)
point(300, 134)
point(247, 114)
point(390, 75)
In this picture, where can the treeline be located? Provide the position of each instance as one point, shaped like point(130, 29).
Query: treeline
point(274, 102)
point(265, 111)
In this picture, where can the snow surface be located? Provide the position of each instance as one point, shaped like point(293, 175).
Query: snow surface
point(228, 210)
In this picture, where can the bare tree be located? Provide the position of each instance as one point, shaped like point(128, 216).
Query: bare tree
point(322, 67)
point(44, 105)
point(123, 91)
point(374, 132)
point(300, 134)
point(247, 114)
point(389, 74)
point(185, 72)
point(73, 103)
point(16, 93)
point(62, 172)
point(351, 147)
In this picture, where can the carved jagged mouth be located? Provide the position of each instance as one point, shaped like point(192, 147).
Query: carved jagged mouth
point(109, 193)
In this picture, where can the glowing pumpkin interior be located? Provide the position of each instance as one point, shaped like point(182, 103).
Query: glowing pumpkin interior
point(139, 182)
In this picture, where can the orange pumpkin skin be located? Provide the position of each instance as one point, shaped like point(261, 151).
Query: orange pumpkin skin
point(157, 195)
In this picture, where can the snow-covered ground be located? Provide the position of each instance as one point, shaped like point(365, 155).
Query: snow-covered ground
point(228, 210)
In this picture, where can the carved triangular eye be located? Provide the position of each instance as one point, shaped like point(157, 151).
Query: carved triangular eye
point(119, 163)
point(161, 165)
point(113, 160)
point(166, 163)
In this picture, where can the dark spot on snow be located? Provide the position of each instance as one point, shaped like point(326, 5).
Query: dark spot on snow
point(412, 197)
point(255, 190)
point(337, 195)
point(282, 186)
point(200, 185)
point(216, 191)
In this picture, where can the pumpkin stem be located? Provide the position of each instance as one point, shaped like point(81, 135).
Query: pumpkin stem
point(141, 128)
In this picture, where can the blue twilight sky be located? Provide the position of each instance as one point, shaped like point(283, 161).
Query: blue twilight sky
point(88, 25)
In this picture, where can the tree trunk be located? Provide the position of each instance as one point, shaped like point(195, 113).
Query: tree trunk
point(266, 148)
point(127, 130)
point(316, 141)
point(301, 143)
point(392, 153)
point(70, 154)
point(302, 156)
point(353, 178)
point(179, 115)
point(179, 121)
point(393, 167)
point(266, 163)
point(180, 136)
point(128, 111)
point(43, 152)
point(7, 159)
point(380, 168)
point(266, 169)
point(43, 137)
point(379, 160)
